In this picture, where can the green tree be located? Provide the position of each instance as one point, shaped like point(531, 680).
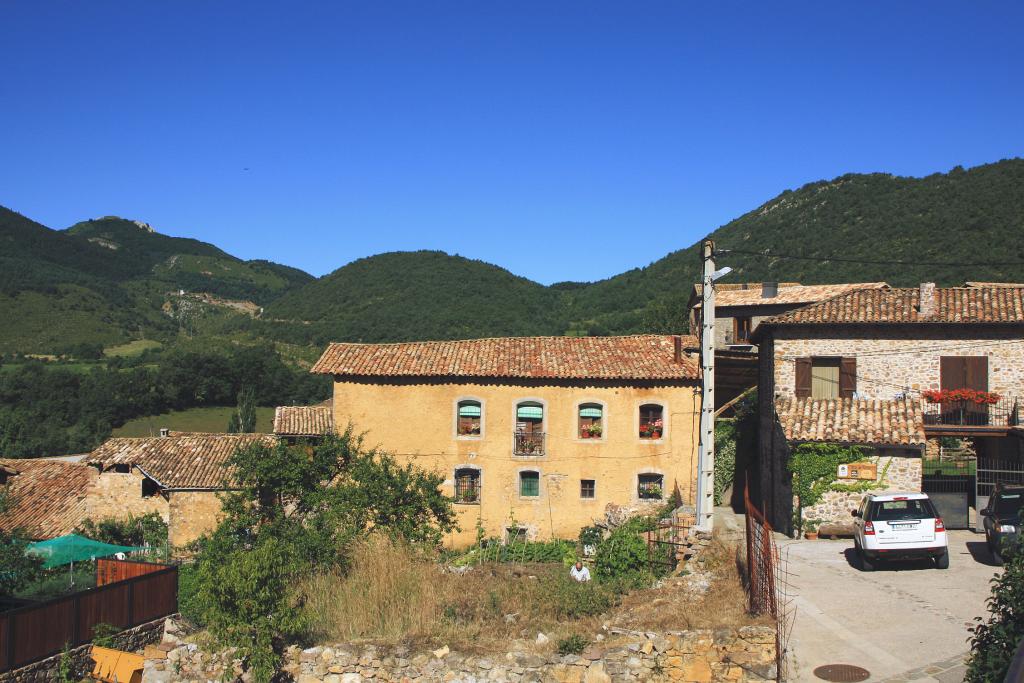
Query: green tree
point(995, 641)
point(815, 467)
point(17, 569)
point(149, 529)
point(293, 510)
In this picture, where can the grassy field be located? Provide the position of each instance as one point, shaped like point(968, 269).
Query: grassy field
point(132, 348)
point(192, 420)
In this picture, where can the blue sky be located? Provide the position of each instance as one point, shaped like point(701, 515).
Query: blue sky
point(560, 140)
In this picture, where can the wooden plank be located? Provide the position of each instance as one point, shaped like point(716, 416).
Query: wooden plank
point(103, 607)
point(803, 378)
point(847, 377)
point(43, 631)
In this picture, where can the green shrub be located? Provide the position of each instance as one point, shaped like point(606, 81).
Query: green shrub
point(573, 645)
point(994, 642)
point(103, 634)
point(591, 535)
point(573, 599)
point(146, 530)
point(622, 557)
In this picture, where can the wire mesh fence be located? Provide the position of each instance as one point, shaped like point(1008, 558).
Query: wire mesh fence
point(768, 579)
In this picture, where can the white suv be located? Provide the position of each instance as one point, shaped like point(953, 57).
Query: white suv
point(899, 526)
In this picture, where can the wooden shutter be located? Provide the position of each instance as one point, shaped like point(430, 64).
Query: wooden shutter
point(976, 372)
point(951, 372)
point(803, 377)
point(964, 372)
point(847, 377)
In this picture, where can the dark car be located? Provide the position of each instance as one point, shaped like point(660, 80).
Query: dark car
point(1003, 518)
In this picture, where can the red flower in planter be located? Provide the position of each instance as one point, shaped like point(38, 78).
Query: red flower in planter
point(961, 396)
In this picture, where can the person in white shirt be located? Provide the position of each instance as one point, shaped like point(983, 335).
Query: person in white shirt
point(579, 572)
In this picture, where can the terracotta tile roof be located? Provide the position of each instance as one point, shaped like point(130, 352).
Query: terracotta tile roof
point(637, 357)
point(897, 422)
point(47, 496)
point(789, 293)
point(303, 420)
point(182, 460)
point(896, 306)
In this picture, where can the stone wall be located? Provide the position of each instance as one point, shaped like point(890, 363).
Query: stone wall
point(900, 474)
point(734, 655)
point(46, 670)
point(118, 495)
point(192, 514)
point(889, 361)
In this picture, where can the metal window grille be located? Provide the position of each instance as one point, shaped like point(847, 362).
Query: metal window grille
point(588, 488)
point(650, 486)
point(467, 486)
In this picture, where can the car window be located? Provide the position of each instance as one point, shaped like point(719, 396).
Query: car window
point(1009, 504)
point(892, 510)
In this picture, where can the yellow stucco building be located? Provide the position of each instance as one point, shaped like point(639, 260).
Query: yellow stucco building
point(533, 435)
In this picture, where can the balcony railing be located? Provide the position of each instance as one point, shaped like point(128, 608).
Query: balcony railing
point(528, 443)
point(1006, 412)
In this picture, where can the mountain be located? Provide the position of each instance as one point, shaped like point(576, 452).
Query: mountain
point(973, 216)
point(107, 280)
point(422, 295)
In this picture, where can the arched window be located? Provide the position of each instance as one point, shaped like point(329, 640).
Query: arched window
point(652, 422)
point(591, 420)
point(529, 436)
point(651, 486)
point(467, 486)
point(470, 417)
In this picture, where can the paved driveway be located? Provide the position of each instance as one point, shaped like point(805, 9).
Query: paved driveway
point(903, 622)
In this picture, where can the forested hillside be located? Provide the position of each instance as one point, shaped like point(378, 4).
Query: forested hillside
point(971, 216)
point(107, 280)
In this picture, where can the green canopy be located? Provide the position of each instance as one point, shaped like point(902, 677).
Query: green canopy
point(590, 412)
point(74, 548)
point(530, 413)
point(469, 410)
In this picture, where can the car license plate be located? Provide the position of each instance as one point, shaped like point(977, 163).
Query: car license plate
point(900, 527)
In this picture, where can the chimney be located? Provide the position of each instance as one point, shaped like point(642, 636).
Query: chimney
point(926, 302)
point(769, 290)
point(677, 343)
point(165, 432)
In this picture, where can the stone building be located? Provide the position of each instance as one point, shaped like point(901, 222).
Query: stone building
point(534, 435)
point(894, 344)
point(740, 307)
point(51, 497)
point(180, 473)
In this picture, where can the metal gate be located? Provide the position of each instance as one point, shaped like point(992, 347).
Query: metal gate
point(994, 470)
point(950, 483)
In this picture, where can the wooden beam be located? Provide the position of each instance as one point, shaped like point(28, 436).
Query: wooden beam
point(734, 401)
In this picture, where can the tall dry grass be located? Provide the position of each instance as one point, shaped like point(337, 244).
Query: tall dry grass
point(393, 593)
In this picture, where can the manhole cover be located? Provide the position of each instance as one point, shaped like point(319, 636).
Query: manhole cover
point(842, 673)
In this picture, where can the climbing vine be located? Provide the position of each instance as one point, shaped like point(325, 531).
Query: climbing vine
point(814, 467)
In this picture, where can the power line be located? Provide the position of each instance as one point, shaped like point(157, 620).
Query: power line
point(916, 349)
point(767, 253)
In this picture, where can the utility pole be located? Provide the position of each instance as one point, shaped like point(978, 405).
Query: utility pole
point(706, 456)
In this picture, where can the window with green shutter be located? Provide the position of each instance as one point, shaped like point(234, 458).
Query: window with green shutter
point(529, 484)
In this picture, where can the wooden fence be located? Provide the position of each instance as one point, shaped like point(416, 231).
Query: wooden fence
point(34, 632)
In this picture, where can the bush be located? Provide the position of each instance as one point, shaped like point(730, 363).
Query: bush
point(147, 530)
point(995, 641)
point(572, 599)
point(572, 645)
point(622, 557)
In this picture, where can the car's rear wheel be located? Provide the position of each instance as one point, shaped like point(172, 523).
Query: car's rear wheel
point(866, 565)
point(942, 561)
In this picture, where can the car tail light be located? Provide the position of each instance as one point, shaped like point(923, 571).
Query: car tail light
point(869, 529)
point(939, 526)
